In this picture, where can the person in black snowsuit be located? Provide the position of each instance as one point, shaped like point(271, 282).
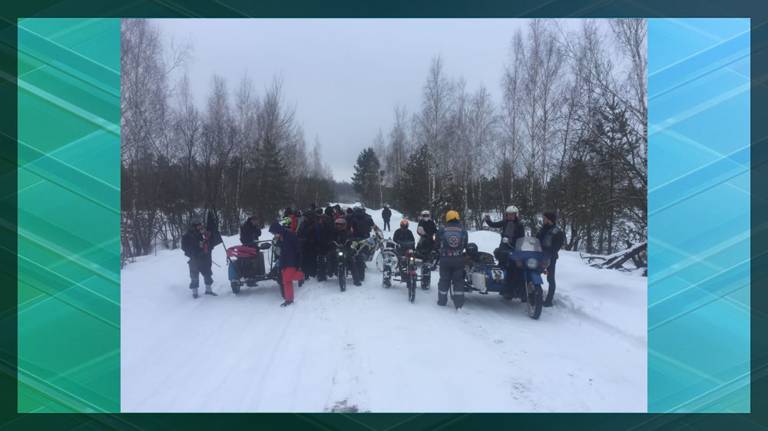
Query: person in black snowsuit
point(307, 244)
point(250, 231)
point(386, 214)
point(453, 240)
point(324, 244)
point(427, 231)
point(551, 238)
point(403, 235)
point(360, 226)
point(511, 230)
point(198, 243)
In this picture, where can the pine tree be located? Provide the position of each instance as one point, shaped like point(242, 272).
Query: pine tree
point(271, 184)
point(413, 185)
point(367, 178)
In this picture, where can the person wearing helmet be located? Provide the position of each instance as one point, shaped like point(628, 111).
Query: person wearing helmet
point(294, 219)
point(339, 236)
point(403, 235)
point(386, 214)
point(289, 260)
point(198, 243)
point(551, 238)
point(453, 240)
point(427, 230)
point(511, 226)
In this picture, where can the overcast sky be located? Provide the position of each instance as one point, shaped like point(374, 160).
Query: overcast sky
point(344, 76)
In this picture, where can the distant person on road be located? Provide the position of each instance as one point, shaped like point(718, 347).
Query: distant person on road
point(386, 214)
point(552, 239)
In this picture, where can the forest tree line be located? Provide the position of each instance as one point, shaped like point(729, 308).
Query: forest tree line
point(244, 153)
point(568, 135)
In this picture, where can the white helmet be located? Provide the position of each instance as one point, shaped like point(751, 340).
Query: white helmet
point(425, 213)
point(511, 209)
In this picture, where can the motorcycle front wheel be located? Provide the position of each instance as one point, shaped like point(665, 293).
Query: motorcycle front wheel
point(342, 278)
point(387, 277)
point(411, 284)
point(535, 300)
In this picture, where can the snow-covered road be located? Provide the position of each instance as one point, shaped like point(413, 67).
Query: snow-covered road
point(369, 349)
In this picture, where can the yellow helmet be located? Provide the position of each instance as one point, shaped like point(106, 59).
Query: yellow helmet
point(451, 215)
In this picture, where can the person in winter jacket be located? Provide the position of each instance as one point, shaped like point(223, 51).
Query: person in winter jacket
point(324, 233)
point(360, 224)
point(403, 234)
point(427, 230)
point(453, 240)
point(289, 212)
point(250, 231)
point(551, 238)
point(511, 230)
point(198, 243)
point(386, 214)
point(339, 237)
point(289, 260)
point(307, 234)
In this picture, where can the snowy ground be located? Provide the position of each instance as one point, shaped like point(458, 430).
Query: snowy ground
point(369, 349)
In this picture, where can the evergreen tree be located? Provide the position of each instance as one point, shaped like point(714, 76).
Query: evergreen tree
point(367, 178)
point(272, 175)
point(412, 187)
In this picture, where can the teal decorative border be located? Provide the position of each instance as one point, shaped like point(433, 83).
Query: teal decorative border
point(699, 215)
point(69, 215)
point(449, 8)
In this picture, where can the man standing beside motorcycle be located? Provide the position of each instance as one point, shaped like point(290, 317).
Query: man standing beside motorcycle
point(511, 230)
point(551, 238)
point(453, 240)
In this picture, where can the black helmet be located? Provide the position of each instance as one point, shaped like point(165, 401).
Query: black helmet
point(471, 249)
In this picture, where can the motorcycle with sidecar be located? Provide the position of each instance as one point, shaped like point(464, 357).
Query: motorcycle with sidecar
point(519, 277)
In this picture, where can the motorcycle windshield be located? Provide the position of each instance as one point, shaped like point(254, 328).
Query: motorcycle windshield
point(528, 243)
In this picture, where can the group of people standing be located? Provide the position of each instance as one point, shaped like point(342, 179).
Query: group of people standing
point(308, 240)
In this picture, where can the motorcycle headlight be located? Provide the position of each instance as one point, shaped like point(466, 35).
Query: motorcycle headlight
point(532, 263)
point(341, 253)
point(413, 258)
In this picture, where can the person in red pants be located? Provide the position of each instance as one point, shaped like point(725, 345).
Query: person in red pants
point(289, 260)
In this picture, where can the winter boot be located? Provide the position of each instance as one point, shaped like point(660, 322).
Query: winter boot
point(194, 293)
point(286, 303)
point(209, 291)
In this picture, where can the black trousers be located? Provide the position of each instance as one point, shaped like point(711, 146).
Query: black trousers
point(551, 280)
point(386, 224)
point(200, 266)
point(451, 272)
